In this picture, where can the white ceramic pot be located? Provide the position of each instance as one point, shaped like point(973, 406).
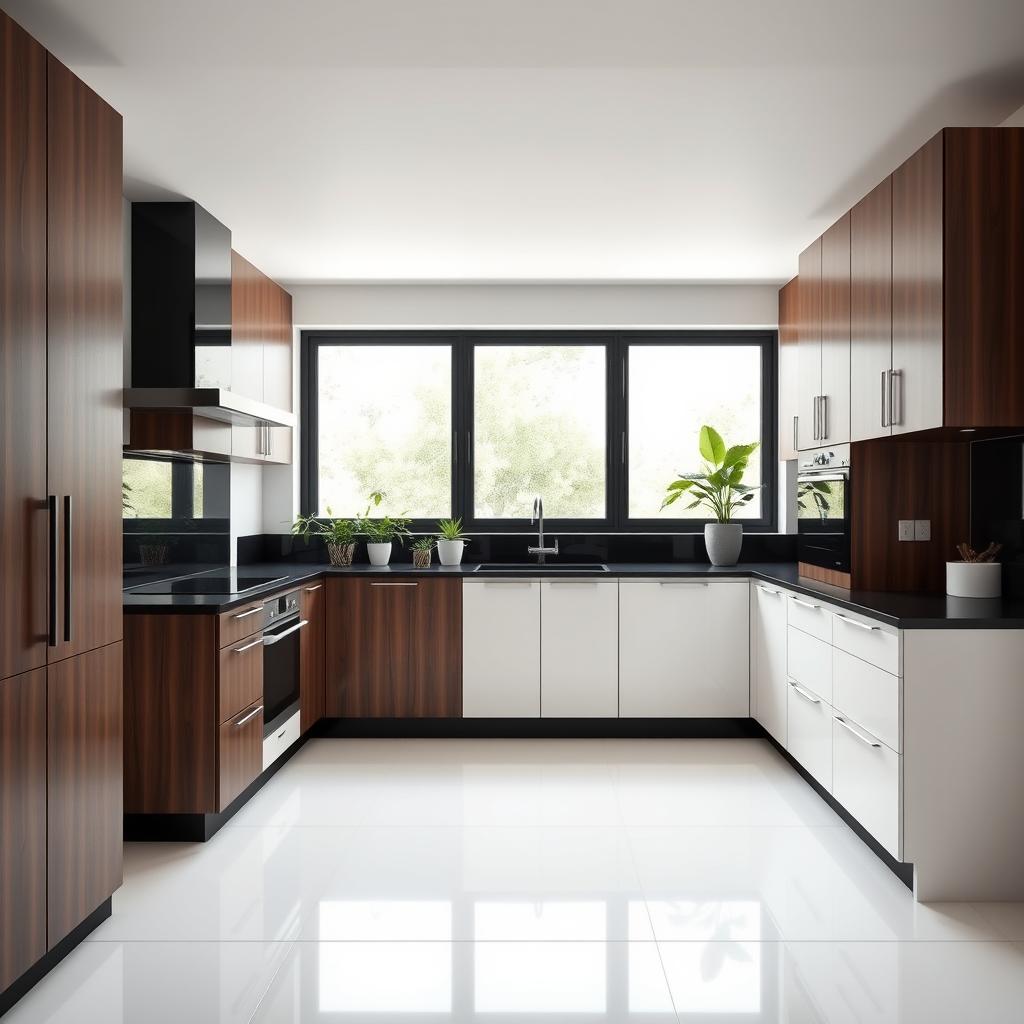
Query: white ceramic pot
point(974, 579)
point(723, 541)
point(449, 552)
point(380, 554)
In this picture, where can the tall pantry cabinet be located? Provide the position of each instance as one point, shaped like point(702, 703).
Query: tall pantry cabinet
point(60, 514)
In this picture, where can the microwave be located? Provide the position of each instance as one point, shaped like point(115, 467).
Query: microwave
point(823, 505)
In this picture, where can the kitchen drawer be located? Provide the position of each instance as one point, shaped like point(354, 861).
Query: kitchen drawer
point(809, 733)
point(868, 695)
point(809, 662)
point(866, 781)
point(240, 752)
point(239, 676)
point(811, 616)
point(868, 640)
point(239, 623)
point(281, 739)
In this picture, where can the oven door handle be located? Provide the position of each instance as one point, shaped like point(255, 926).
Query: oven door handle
point(273, 638)
point(810, 478)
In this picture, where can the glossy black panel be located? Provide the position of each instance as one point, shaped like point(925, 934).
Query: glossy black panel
point(997, 505)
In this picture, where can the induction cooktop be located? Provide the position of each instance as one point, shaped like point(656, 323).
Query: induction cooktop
point(211, 583)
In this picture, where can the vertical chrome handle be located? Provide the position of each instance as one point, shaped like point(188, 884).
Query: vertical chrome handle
point(885, 418)
point(796, 433)
point(68, 575)
point(895, 418)
point(824, 417)
point(51, 504)
point(817, 417)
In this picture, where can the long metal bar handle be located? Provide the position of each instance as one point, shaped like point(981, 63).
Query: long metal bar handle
point(806, 604)
point(859, 625)
point(273, 638)
point(824, 417)
point(245, 615)
point(796, 433)
point(885, 397)
point(856, 732)
point(407, 584)
point(51, 503)
point(258, 642)
point(806, 694)
point(814, 426)
point(252, 714)
point(896, 418)
point(68, 574)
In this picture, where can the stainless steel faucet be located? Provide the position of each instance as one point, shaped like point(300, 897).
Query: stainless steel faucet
point(540, 550)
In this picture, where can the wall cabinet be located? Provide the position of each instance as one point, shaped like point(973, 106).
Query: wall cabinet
point(312, 654)
point(789, 368)
point(683, 648)
point(769, 697)
point(809, 346)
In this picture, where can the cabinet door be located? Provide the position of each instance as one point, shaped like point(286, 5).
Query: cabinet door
point(249, 316)
point(789, 385)
point(834, 409)
point(579, 651)
point(809, 345)
point(83, 785)
point(22, 822)
point(809, 733)
point(312, 652)
point(277, 348)
point(684, 649)
point(501, 649)
point(871, 313)
point(23, 525)
point(85, 350)
point(240, 752)
point(768, 670)
point(917, 285)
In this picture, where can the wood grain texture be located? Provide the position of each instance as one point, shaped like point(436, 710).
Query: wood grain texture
point(983, 259)
point(820, 575)
point(277, 348)
point(22, 823)
point(394, 651)
point(84, 794)
point(23, 516)
point(240, 753)
point(870, 310)
point(239, 677)
point(235, 625)
point(835, 332)
point(789, 312)
point(85, 249)
point(170, 754)
point(907, 480)
point(250, 314)
point(917, 282)
point(809, 343)
point(313, 653)
point(156, 431)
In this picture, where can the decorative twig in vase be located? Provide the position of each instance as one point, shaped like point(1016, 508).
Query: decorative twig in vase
point(976, 574)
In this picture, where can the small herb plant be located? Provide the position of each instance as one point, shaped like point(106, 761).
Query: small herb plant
point(719, 486)
point(335, 531)
point(382, 529)
point(451, 529)
point(423, 544)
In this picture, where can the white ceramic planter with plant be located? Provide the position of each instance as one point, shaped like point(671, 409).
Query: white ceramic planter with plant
point(719, 489)
point(451, 544)
point(977, 574)
point(381, 531)
point(338, 534)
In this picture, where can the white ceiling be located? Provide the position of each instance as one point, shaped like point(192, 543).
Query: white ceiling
point(531, 140)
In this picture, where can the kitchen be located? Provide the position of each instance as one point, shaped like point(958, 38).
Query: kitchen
point(615, 630)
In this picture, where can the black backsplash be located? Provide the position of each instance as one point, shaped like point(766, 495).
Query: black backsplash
point(997, 505)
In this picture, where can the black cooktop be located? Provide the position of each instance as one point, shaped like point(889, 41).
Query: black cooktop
point(214, 583)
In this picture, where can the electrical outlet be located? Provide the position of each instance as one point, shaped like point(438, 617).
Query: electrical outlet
point(906, 529)
point(922, 529)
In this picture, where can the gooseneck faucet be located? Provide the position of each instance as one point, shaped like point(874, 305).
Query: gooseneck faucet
point(540, 550)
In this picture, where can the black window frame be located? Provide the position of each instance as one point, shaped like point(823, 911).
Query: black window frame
point(616, 343)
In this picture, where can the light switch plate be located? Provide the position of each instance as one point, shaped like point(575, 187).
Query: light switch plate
point(922, 529)
point(906, 529)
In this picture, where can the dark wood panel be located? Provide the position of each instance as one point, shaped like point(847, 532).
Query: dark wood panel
point(789, 313)
point(250, 314)
point(170, 762)
point(809, 342)
point(240, 753)
point(835, 332)
point(158, 431)
point(84, 353)
point(313, 653)
point(22, 823)
point(84, 793)
point(277, 348)
point(240, 676)
point(240, 622)
point(820, 575)
point(907, 480)
point(23, 518)
point(394, 648)
point(984, 277)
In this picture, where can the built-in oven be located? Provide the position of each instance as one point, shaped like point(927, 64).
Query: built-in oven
point(823, 502)
point(281, 627)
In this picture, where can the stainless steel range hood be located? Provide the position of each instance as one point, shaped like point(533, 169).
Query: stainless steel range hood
point(211, 403)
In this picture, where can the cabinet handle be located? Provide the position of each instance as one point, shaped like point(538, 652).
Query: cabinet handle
point(273, 638)
point(824, 417)
point(251, 611)
point(68, 575)
point(572, 584)
point(806, 694)
point(252, 714)
point(856, 732)
point(768, 590)
point(682, 583)
point(313, 590)
point(895, 418)
point(796, 433)
point(248, 647)
point(854, 622)
point(885, 389)
point(404, 583)
point(518, 584)
point(51, 504)
point(806, 604)
point(814, 426)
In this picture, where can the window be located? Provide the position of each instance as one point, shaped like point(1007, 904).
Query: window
point(475, 424)
point(162, 489)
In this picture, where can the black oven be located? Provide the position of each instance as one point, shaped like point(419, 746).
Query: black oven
point(823, 501)
point(281, 626)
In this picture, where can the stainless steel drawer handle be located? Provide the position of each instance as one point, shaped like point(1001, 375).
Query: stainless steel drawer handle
point(859, 625)
point(251, 611)
point(313, 590)
point(407, 583)
point(510, 584)
point(273, 638)
point(572, 584)
point(806, 694)
point(806, 604)
point(856, 732)
point(252, 714)
point(768, 590)
point(682, 583)
point(258, 642)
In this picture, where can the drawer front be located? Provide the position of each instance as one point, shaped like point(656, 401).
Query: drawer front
point(809, 662)
point(809, 733)
point(866, 781)
point(240, 753)
point(870, 641)
point(868, 695)
point(239, 676)
point(239, 623)
point(281, 739)
point(811, 616)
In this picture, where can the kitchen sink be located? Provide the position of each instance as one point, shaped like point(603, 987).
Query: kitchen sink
point(534, 567)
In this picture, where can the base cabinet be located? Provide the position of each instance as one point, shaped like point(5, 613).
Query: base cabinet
point(312, 654)
point(810, 732)
point(240, 753)
point(769, 696)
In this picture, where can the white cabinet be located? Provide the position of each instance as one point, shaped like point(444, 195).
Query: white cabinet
point(868, 695)
point(768, 652)
point(810, 733)
point(810, 663)
point(579, 648)
point(501, 648)
point(684, 649)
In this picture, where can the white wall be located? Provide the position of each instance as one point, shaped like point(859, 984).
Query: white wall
point(246, 503)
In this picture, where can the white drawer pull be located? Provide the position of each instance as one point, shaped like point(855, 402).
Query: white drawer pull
point(806, 604)
point(572, 584)
point(768, 590)
point(805, 693)
point(510, 584)
point(251, 611)
point(854, 622)
point(856, 732)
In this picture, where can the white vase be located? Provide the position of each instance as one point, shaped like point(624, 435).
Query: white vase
point(380, 554)
point(723, 541)
point(449, 552)
point(974, 579)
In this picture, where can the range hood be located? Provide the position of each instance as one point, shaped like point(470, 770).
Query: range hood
point(211, 403)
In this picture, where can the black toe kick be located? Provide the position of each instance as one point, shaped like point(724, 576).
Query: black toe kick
point(539, 728)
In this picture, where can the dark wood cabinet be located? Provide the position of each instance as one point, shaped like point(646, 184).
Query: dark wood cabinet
point(789, 319)
point(394, 648)
point(834, 407)
point(240, 753)
point(22, 823)
point(83, 786)
point(312, 654)
point(239, 676)
point(809, 346)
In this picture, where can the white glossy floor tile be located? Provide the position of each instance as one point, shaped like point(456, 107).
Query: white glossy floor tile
point(1006, 918)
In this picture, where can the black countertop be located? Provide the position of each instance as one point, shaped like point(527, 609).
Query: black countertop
point(906, 611)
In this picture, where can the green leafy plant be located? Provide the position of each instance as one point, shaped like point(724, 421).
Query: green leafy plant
point(719, 486)
point(818, 492)
point(382, 529)
point(451, 529)
point(423, 544)
point(126, 500)
point(335, 531)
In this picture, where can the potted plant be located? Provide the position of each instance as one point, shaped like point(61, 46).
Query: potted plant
point(720, 489)
point(339, 534)
point(381, 532)
point(451, 543)
point(421, 551)
point(976, 574)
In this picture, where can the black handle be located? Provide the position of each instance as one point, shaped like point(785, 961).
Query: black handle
point(67, 568)
point(51, 504)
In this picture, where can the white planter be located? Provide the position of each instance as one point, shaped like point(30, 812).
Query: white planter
point(723, 541)
point(449, 552)
point(380, 554)
point(974, 579)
